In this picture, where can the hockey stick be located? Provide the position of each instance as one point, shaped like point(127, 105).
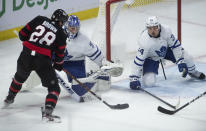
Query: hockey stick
point(174, 107)
point(163, 69)
point(169, 112)
point(118, 106)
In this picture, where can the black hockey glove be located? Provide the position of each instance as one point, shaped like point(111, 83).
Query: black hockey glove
point(58, 66)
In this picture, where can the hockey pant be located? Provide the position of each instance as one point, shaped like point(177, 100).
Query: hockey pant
point(28, 62)
point(150, 67)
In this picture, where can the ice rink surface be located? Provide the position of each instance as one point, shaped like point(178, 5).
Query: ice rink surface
point(142, 115)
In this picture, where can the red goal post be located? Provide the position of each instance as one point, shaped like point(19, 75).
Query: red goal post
point(108, 32)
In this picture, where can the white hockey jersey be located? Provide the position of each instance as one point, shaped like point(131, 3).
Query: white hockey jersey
point(155, 48)
point(80, 47)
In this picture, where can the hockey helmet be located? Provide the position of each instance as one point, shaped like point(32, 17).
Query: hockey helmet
point(72, 26)
point(59, 15)
point(152, 21)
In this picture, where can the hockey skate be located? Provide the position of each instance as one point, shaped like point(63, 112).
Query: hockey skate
point(47, 115)
point(197, 75)
point(9, 100)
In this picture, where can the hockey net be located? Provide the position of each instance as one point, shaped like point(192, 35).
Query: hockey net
point(120, 22)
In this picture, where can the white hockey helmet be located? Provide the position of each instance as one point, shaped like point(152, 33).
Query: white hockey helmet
point(152, 21)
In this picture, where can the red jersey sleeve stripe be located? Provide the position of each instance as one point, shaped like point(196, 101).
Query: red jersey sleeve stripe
point(28, 27)
point(24, 34)
point(60, 55)
point(62, 47)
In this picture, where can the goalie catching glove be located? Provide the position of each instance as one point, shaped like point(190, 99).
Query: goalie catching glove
point(114, 69)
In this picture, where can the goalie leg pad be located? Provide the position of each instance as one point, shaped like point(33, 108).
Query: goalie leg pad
point(81, 90)
point(89, 82)
point(103, 82)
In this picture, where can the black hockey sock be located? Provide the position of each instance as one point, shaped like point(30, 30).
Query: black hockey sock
point(51, 99)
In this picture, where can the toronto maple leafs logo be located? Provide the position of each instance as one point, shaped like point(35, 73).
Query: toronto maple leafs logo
point(162, 51)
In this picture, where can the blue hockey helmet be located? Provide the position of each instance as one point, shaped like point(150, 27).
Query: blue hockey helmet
point(72, 26)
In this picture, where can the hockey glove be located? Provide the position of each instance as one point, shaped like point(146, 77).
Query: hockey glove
point(183, 68)
point(58, 66)
point(134, 82)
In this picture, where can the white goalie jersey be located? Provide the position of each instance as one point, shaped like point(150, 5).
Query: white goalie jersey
point(80, 47)
point(155, 49)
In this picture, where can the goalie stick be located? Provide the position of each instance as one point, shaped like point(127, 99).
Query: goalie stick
point(169, 112)
point(174, 107)
point(118, 106)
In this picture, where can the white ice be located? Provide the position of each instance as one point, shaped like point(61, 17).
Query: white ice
point(142, 115)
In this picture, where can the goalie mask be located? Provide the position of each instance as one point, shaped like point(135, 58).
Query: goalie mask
point(72, 26)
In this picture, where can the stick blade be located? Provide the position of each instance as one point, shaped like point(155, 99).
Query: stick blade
point(119, 106)
point(165, 111)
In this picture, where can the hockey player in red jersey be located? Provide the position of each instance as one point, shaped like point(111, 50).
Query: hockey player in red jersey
point(41, 37)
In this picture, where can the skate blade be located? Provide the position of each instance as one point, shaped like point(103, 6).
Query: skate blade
point(6, 106)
